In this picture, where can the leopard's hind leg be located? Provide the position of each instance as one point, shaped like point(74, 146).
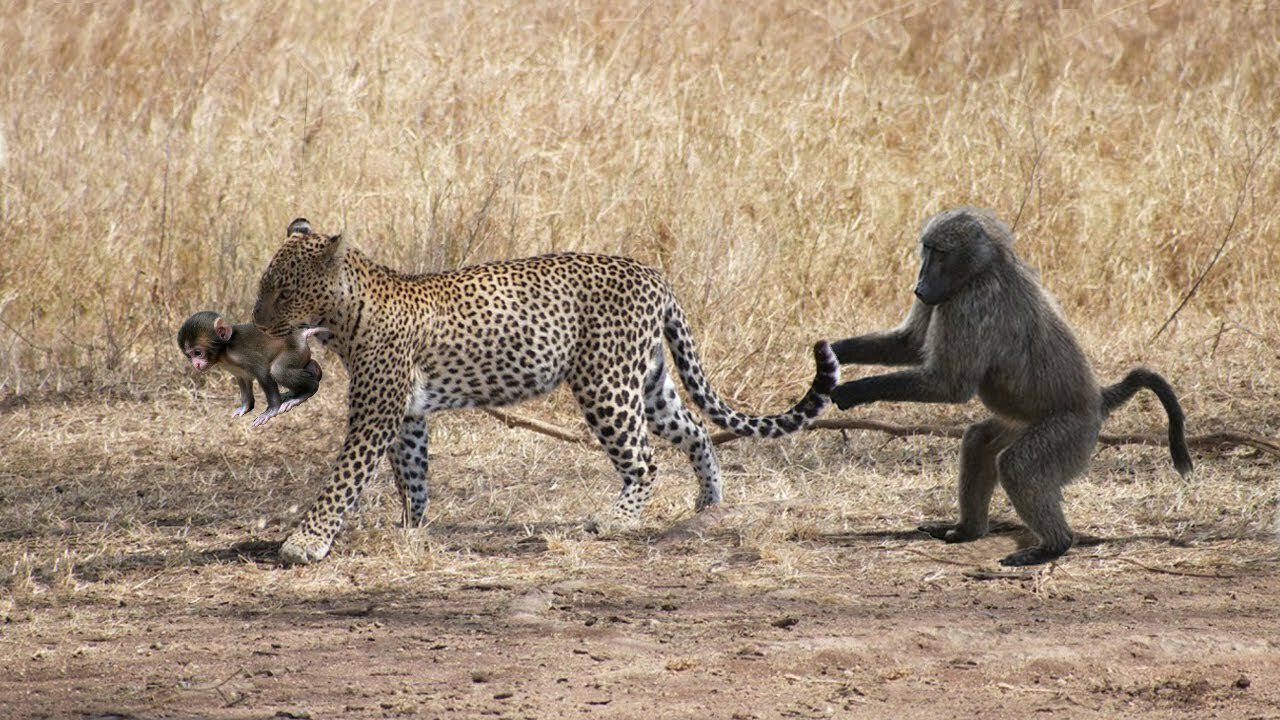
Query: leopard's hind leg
point(615, 412)
point(670, 419)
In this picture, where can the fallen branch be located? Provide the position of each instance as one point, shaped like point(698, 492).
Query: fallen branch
point(725, 436)
point(555, 431)
point(1214, 441)
point(1208, 441)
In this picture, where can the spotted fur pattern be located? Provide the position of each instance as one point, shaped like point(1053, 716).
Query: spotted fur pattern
point(497, 334)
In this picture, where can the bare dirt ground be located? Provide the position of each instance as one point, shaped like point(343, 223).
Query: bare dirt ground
point(138, 539)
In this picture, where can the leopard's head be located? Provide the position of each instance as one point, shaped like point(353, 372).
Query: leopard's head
point(301, 283)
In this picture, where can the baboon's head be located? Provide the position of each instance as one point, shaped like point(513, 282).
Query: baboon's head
point(302, 280)
point(957, 246)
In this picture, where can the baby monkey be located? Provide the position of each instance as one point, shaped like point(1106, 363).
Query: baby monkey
point(250, 354)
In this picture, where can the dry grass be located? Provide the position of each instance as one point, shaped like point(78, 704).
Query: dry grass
point(774, 159)
point(96, 500)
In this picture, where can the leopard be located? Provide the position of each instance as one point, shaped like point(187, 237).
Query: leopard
point(494, 334)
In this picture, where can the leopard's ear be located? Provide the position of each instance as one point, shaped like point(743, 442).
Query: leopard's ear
point(333, 248)
point(299, 226)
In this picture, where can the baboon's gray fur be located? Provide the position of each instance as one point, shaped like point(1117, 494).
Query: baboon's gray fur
point(982, 324)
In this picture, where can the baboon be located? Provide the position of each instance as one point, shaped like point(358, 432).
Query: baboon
point(981, 323)
point(249, 354)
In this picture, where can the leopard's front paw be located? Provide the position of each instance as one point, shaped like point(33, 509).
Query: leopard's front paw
point(303, 549)
point(610, 523)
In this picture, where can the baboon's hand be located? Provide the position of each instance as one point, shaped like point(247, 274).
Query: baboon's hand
point(844, 396)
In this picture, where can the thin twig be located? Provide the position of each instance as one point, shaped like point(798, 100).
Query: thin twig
point(872, 18)
point(1026, 689)
point(216, 685)
point(1226, 237)
point(1031, 177)
point(935, 558)
point(1092, 22)
point(24, 338)
point(1185, 573)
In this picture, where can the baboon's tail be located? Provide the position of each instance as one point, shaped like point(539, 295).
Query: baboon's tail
point(685, 354)
point(1113, 396)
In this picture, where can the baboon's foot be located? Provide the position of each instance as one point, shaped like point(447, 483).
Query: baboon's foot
point(288, 405)
point(952, 532)
point(1033, 556)
point(270, 413)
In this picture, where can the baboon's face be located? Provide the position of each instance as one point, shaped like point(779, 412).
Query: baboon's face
point(954, 248)
point(934, 284)
point(200, 340)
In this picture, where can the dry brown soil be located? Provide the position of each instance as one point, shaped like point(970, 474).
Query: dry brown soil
point(138, 536)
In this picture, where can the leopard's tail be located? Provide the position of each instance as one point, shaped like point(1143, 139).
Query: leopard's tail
point(688, 364)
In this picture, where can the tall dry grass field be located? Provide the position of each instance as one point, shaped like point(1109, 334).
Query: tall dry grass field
point(775, 159)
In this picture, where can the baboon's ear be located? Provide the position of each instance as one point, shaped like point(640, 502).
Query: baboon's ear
point(222, 329)
point(299, 226)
